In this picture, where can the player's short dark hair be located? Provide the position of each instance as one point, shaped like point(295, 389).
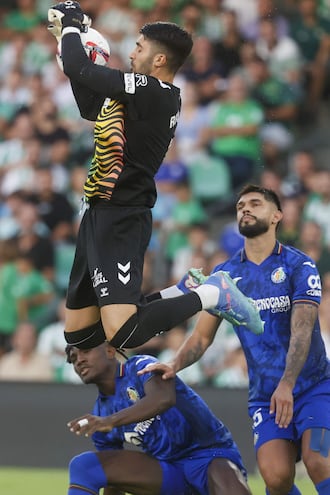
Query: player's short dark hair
point(176, 41)
point(268, 194)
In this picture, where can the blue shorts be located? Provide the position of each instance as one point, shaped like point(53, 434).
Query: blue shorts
point(188, 476)
point(311, 410)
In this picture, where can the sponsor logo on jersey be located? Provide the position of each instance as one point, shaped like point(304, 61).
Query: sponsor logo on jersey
point(98, 278)
point(143, 426)
point(129, 79)
point(278, 276)
point(132, 394)
point(314, 282)
point(276, 304)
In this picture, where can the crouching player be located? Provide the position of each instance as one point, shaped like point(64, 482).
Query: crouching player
point(183, 448)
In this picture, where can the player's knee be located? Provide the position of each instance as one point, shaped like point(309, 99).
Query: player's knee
point(277, 478)
point(317, 466)
point(86, 470)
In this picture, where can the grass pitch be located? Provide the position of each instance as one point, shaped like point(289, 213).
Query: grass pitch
point(18, 481)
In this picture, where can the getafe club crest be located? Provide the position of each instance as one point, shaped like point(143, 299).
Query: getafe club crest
point(278, 275)
point(132, 394)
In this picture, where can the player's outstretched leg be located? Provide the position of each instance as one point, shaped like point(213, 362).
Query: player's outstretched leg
point(233, 305)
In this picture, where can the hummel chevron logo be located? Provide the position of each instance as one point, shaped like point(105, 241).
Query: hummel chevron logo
point(123, 272)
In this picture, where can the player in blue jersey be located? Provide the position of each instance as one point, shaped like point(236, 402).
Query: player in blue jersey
point(184, 448)
point(289, 374)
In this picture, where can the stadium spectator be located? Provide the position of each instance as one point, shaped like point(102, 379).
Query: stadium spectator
point(172, 341)
point(22, 174)
point(32, 238)
point(317, 207)
point(205, 71)
point(213, 24)
point(311, 31)
point(51, 344)
point(14, 94)
point(200, 244)
point(183, 447)
point(53, 207)
point(228, 47)
point(190, 17)
point(266, 9)
point(25, 294)
point(311, 241)
point(233, 133)
point(289, 230)
point(23, 362)
point(289, 374)
point(280, 102)
point(187, 210)
point(235, 372)
point(21, 19)
point(301, 167)
point(193, 118)
point(281, 53)
point(246, 11)
point(14, 146)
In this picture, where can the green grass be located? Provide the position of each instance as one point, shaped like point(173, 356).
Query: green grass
point(17, 481)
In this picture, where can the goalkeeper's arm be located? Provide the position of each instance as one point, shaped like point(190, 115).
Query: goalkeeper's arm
point(77, 66)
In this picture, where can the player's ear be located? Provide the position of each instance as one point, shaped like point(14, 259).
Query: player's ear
point(277, 217)
point(160, 59)
point(110, 351)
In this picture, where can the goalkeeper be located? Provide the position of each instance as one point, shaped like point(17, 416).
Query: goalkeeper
point(184, 448)
point(135, 118)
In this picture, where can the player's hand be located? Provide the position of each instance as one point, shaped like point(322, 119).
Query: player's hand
point(89, 424)
point(281, 403)
point(167, 371)
point(65, 14)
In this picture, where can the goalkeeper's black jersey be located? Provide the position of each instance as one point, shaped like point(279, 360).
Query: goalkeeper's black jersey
point(136, 116)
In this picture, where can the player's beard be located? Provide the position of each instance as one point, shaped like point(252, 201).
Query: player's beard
point(251, 231)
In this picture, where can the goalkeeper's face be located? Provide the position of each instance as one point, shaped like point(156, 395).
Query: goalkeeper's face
point(144, 56)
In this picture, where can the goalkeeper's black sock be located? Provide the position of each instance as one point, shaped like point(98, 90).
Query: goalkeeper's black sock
point(154, 318)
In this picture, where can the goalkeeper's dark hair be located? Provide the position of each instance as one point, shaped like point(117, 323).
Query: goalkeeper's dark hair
point(174, 40)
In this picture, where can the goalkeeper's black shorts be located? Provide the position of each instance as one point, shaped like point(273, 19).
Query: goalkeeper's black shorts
point(108, 263)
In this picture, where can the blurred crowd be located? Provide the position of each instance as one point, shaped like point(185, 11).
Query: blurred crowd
point(256, 84)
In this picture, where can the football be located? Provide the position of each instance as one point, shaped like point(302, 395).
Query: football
point(96, 47)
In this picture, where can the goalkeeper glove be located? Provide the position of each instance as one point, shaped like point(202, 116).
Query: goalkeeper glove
point(65, 14)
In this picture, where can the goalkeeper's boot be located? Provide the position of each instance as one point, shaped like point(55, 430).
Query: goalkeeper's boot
point(233, 305)
point(192, 279)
